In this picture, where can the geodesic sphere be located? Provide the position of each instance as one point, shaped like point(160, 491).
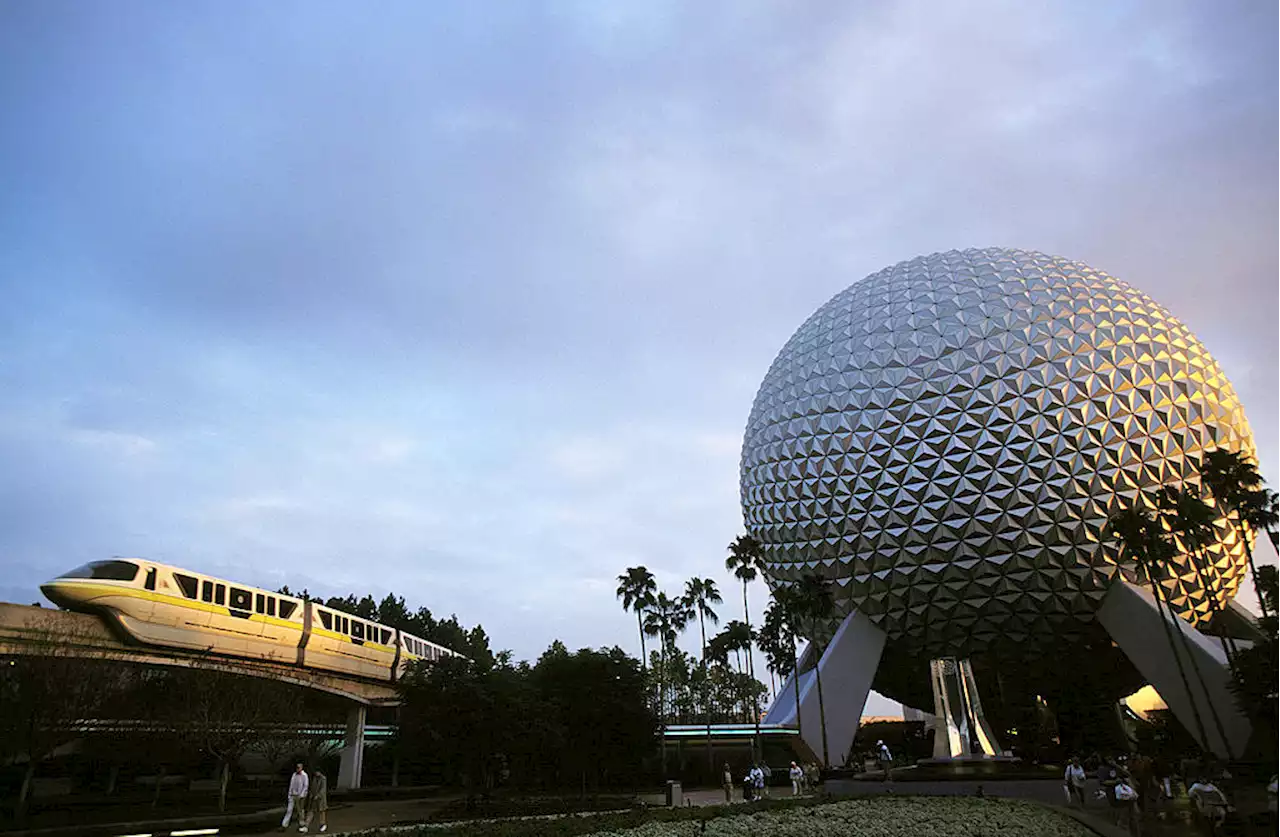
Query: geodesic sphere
point(946, 439)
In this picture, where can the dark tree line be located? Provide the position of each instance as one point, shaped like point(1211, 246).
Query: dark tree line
point(394, 613)
point(576, 721)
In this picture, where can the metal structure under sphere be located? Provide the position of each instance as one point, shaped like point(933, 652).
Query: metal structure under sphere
point(945, 440)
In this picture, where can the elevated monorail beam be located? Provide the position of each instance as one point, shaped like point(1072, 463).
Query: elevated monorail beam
point(143, 727)
point(38, 631)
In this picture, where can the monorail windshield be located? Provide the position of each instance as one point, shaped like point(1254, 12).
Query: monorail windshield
point(107, 570)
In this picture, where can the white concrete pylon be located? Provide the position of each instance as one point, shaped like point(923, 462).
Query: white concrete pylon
point(848, 666)
point(1130, 616)
point(351, 762)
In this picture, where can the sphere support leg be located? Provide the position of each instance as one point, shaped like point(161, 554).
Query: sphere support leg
point(848, 665)
point(961, 728)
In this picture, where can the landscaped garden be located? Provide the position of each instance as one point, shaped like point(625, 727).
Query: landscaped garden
point(903, 816)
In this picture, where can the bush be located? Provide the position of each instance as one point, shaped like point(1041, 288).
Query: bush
point(919, 816)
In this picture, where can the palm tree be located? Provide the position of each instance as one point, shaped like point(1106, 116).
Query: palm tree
point(1141, 537)
point(1191, 520)
point(777, 639)
point(665, 619)
point(699, 595)
point(1264, 513)
point(746, 560)
point(816, 605)
point(738, 638)
point(636, 588)
point(1233, 480)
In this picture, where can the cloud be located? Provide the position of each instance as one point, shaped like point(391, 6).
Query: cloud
point(472, 305)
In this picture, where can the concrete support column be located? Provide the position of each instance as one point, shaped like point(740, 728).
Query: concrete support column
point(848, 666)
point(961, 726)
point(351, 764)
point(1143, 632)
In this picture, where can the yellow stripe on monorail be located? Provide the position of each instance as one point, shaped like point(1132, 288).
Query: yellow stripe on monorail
point(178, 601)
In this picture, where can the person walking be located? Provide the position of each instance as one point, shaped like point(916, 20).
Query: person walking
point(884, 757)
point(1127, 811)
point(749, 784)
point(727, 781)
point(1208, 802)
point(317, 803)
point(797, 778)
point(766, 779)
point(1074, 779)
point(299, 783)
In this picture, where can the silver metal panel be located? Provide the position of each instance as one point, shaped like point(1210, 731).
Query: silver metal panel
point(945, 439)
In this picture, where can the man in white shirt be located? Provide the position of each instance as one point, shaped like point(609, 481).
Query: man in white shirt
point(884, 757)
point(299, 784)
point(1074, 779)
point(797, 778)
point(1209, 802)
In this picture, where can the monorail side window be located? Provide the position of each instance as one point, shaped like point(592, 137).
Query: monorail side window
point(287, 609)
point(326, 620)
point(150, 583)
point(346, 625)
point(220, 594)
point(187, 584)
point(206, 591)
point(357, 630)
point(259, 603)
point(271, 606)
point(386, 637)
point(241, 599)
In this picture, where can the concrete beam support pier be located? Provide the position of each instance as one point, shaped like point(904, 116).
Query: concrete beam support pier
point(1130, 615)
point(351, 763)
point(848, 666)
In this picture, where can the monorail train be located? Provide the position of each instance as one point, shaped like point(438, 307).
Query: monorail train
point(156, 604)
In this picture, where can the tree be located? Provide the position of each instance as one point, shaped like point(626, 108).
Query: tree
point(746, 560)
point(1235, 484)
point(577, 720)
point(636, 588)
point(42, 699)
point(777, 639)
point(596, 701)
point(737, 637)
point(1191, 520)
point(454, 710)
point(666, 619)
point(1141, 537)
point(1254, 684)
point(699, 595)
point(223, 714)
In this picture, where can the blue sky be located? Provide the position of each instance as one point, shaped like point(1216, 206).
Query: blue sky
point(470, 301)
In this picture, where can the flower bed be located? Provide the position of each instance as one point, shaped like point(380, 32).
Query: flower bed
point(898, 816)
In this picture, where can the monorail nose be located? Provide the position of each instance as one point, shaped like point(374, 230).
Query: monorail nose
point(63, 595)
